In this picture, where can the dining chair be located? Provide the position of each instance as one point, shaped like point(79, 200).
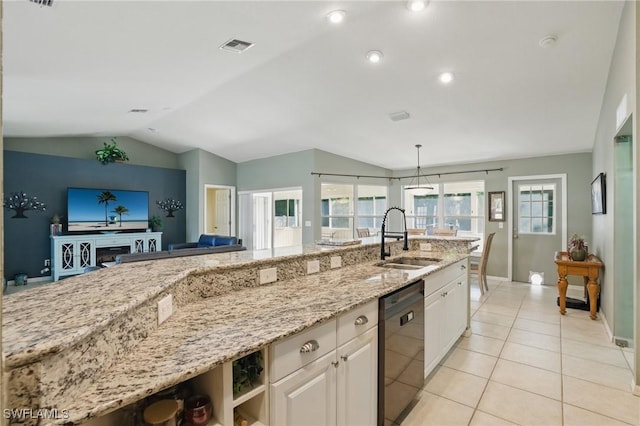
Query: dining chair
point(480, 268)
point(363, 232)
point(415, 231)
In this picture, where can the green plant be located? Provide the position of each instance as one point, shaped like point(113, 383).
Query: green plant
point(56, 219)
point(155, 222)
point(246, 371)
point(111, 153)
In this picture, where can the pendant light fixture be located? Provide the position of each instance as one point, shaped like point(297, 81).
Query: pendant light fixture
point(423, 188)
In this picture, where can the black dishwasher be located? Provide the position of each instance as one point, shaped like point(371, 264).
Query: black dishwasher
point(400, 351)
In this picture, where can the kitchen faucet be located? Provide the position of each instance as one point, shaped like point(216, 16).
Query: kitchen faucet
point(397, 235)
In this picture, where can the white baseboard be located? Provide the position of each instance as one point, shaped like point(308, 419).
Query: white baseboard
point(495, 278)
point(607, 328)
point(635, 388)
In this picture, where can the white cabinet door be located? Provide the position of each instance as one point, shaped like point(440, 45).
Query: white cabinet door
point(306, 397)
point(433, 330)
point(358, 380)
point(451, 316)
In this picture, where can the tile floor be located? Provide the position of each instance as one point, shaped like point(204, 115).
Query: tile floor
point(524, 364)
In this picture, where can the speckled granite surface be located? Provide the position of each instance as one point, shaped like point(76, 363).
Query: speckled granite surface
point(73, 347)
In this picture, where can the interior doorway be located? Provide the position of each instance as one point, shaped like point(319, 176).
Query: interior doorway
point(537, 225)
point(219, 210)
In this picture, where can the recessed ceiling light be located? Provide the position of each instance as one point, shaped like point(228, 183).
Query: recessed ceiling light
point(445, 77)
point(417, 5)
point(548, 41)
point(336, 16)
point(139, 110)
point(374, 56)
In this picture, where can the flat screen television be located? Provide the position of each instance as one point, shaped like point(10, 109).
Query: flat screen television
point(106, 210)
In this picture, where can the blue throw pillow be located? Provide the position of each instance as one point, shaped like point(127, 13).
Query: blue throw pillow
point(207, 240)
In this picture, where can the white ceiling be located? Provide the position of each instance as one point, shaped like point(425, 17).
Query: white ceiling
point(77, 68)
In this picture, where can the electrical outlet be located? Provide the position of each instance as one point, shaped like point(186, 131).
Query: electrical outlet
point(313, 267)
point(268, 275)
point(336, 262)
point(47, 262)
point(165, 308)
point(425, 246)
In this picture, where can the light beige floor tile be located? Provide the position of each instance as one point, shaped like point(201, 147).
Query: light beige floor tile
point(525, 377)
point(520, 406)
point(593, 337)
point(456, 385)
point(491, 318)
point(536, 315)
point(437, 411)
point(481, 418)
point(594, 352)
point(574, 416)
point(489, 330)
point(499, 309)
point(610, 402)
point(529, 355)
point(470, 362)
point(537, 327)
point(482, 344)
point(536, 340)
point(597, 372)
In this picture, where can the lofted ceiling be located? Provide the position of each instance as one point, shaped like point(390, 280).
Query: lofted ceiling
point(78, 69)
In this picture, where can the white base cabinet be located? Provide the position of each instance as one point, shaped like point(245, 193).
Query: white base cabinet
point(446, 312)
point(338, 386)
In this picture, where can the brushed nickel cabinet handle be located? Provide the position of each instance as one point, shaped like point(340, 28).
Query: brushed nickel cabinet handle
point(361, 320)
point(310, 346)
point(345, 357)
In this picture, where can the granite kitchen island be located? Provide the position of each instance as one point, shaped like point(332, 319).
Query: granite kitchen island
point(91, 344)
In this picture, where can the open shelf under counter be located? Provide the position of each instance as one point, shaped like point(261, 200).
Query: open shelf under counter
point(245, 396)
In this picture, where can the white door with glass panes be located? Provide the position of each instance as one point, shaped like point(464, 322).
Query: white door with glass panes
point(537, 228)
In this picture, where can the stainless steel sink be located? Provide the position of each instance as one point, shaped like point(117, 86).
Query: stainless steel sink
point(409, 262)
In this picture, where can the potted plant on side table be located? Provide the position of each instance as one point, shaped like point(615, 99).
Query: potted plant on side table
point(577, 248)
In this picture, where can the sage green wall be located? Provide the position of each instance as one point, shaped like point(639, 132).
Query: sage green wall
point(576, 166)
point(79, 147)
point(203, 168)
point(294, 170)
point(621, 81)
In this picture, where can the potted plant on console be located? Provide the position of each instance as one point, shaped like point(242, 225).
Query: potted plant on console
point(155, 223)
point(577, 248)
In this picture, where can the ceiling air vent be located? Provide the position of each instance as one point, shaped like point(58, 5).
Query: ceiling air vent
point(235, 45)
point(139, 110)
point(43, 2)
point(400, 115)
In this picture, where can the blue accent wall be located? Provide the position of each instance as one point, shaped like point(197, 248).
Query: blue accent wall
point(26, 241)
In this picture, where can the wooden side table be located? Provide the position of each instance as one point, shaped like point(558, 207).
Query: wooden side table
point(589, 269)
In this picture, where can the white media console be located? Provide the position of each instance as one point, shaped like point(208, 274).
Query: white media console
point(71, 254)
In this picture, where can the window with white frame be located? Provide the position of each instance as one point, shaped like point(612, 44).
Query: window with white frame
point(343, 205)
point(456, 205)
point(287, 213)
point(536, 209)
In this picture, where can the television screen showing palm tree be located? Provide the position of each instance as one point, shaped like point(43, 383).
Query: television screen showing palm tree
point(106, 210)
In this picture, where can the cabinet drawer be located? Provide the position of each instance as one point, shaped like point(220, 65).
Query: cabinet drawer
point(443, 277)
point(110, 242)
point(288, 354)
point(357, 321)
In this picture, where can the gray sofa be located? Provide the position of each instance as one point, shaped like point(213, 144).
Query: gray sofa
point(207, 244)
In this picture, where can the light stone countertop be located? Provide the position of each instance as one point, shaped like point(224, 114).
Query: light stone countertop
point(40, 323)
point(215, 330)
